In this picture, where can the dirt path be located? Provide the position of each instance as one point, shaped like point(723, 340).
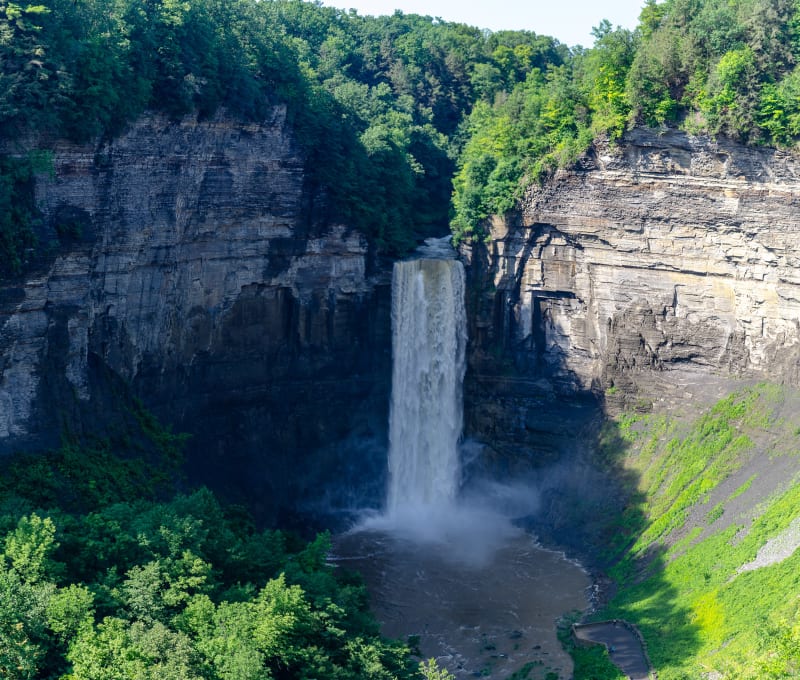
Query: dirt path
point(624, 646)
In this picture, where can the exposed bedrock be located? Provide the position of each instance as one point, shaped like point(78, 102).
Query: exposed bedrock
point(662, 270)
point(194, 265)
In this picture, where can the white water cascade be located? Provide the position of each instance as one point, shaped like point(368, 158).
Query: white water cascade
point(444, 562)
point(425, 419)
point(425, 502)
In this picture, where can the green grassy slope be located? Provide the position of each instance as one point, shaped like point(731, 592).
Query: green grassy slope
point(704, 551)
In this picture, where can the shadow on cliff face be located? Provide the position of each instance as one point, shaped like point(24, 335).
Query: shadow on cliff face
point(544, 430)
point(348, 478)
point(302, 480)
point(539, 422)
point(589, 503)
point(570, 503)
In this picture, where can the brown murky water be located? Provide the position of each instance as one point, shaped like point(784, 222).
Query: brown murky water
point(486, 612)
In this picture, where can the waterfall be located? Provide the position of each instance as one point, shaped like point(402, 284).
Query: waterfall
point(425, 420)
point(425, 502)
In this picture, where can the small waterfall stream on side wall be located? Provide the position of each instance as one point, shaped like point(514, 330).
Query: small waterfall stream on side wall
point(450, 567)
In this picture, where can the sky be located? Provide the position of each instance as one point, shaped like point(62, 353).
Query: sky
point(570, 21)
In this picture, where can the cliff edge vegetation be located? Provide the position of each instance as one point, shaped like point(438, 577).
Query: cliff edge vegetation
point(711, 67)
point(374, 102)
point(408, 123)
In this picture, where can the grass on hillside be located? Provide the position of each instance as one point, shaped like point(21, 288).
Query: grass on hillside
point(698, 515)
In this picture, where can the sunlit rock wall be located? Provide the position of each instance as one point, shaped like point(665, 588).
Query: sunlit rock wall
point(654, 271)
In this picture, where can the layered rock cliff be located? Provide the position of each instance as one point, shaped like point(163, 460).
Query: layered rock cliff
point(193, 265)
point(649, 273)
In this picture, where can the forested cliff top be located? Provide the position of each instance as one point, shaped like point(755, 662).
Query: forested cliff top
point(408, 122)
point(376, 103)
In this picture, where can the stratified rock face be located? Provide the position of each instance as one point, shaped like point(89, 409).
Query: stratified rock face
point(665, 262)
point(196, 266)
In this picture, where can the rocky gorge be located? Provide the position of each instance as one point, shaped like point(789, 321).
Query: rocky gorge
point(658, 271)
point(195, 266)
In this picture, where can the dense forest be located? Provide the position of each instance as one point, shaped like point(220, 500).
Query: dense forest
point(716, 67)
point(410, 123)
point(106, 573)
point(377, 103)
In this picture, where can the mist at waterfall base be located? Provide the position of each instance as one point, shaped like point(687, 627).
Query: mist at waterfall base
point(443, 560)
point(435, 488)
point(423, 502)
point(467, 529)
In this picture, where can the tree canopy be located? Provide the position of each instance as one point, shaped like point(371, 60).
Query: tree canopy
point(376, 102)
point(107, 574)
point(716, 67)
point(409, 123)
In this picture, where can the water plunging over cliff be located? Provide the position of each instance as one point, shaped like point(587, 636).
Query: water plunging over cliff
point(445, 567)
point(426, 414)
point(428, 343)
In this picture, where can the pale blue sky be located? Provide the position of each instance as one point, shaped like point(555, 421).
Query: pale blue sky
point(570, 21)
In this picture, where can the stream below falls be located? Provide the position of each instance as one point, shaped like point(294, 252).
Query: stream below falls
point(484, 613)
point(480, 595)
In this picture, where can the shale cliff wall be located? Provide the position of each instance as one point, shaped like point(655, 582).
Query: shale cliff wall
point(194, 265)
point(650, 273)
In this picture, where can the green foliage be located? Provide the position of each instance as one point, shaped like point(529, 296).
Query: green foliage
point(24, 633)
point(779, 109)
point(540, 126)
point(680, 574)
point(710, 66)
point(605, 74)
point(730, 102)
point(70, 610)
point(402, 84)
point(26, 75)
point(430, 671)
point(29, 546)
point(375, 102)
point(18, 214)
point(96, 586)
point(86, 476)
point(715, 65)
point(544, 121)
point(143, 600)
point(715, 513)
point(117, 649)
point(779, 648)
